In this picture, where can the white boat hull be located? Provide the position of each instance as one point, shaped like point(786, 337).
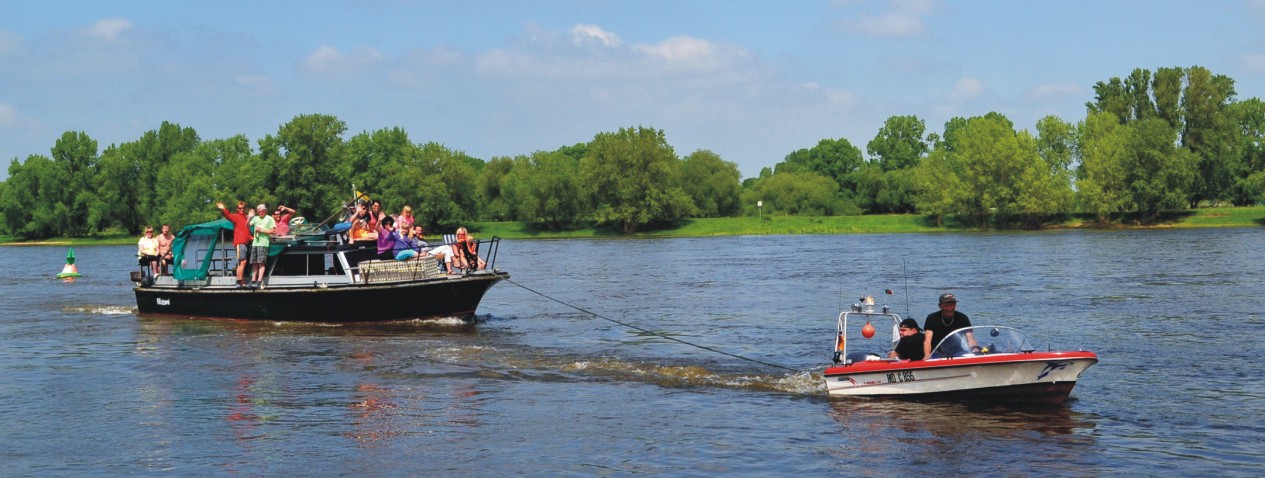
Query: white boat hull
point(1040, 377)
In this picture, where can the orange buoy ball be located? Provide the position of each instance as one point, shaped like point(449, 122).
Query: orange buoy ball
point(867, 331)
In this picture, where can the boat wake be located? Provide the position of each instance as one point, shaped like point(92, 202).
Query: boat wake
point(554, 367)
point(100, 309)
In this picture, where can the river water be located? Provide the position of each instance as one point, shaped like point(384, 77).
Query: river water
point(549, 381)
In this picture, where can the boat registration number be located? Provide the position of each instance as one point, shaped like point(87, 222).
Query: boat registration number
point(897, 377)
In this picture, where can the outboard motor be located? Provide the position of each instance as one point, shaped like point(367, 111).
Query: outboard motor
point(147, 277)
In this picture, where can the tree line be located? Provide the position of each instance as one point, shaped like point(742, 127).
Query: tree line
point(1171, 139)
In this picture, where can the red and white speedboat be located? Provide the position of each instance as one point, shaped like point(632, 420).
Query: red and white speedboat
point(1004, 367)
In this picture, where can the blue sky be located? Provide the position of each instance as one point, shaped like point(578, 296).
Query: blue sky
point(751, 81)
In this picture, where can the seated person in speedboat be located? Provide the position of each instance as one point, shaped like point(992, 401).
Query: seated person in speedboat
point(911, 341)
point(941, 323)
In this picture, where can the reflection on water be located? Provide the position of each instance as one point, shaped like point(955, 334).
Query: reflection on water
point(948, 439)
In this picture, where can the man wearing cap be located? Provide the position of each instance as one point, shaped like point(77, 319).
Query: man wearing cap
point(264, 227)
point(911, 341)
point(944, 321)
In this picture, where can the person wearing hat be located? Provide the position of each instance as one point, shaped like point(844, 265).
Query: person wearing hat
point(941, 323)
point(264, 226)
point(911, 341)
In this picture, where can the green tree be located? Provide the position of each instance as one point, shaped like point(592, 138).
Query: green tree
point(1056, 145)
point(1100, 178)
point(377, 164)
point(628, 179)
point(898, 147)
point(239, 174)
point(76, 155)
point(302, 161)
point(31, 198)
point(1210, 133)
point(492, 195)
point(1158, 174)
point(900, 143)
point(1249, 116)
point(545, 189)
point(836, 159)
point(218, 170)
point(1112, 97)
point(798, 193)
point(118, 188)
point(938, 183)
point(150, 154)
point(712, 183)
point(441, 186)
point(886, 192)
point(1167, 88)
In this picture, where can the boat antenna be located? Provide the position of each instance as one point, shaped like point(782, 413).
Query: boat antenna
point(905, 272)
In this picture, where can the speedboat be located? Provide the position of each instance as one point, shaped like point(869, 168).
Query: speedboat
point(1002, 367)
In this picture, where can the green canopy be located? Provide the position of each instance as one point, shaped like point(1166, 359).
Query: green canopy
point(194, 247)
point(197, 244)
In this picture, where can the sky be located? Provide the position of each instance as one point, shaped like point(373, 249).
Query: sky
point(749, 80)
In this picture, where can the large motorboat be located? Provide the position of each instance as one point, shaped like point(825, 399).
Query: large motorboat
point(992, 363)
point(312, 276)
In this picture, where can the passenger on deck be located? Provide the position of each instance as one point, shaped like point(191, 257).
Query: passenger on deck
point(361, 232)
point(404, 222)
point(359, 229)
point(241, 236)
point(147, 252)
point(466, 252)
point(264, 227)
point(282, 216)
point(911, 341)
point(417, 247)
point(375, 214)
point(164, 249)
point(941, 323)
point(387, 238)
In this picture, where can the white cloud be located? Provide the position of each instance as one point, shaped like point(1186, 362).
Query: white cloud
point(679, 49)
point(835, 97)
point(584, 34)
point(966, 89)
point(108, 29)
point(8, 116)
point(1253, 62)
point(9, 43)
point(1257, 7)
point(13, 120)
point(905, 18)
point(327, 60)
point(1056, 90)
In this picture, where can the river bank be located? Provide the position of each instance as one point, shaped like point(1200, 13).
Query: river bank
point(1251, 216)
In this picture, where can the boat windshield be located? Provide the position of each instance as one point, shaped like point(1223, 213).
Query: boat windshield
point(990, 339)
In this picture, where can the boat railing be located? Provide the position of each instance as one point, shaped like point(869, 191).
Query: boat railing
point(417, 268)
point(868, 313)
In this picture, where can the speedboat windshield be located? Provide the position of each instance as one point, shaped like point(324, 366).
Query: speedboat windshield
point(982, 340)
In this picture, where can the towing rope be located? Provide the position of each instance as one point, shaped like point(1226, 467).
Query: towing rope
point(641, 329)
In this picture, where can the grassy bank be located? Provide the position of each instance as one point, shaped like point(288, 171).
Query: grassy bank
point(1253, 216)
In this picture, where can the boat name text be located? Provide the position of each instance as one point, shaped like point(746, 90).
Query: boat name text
point(162, 301)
